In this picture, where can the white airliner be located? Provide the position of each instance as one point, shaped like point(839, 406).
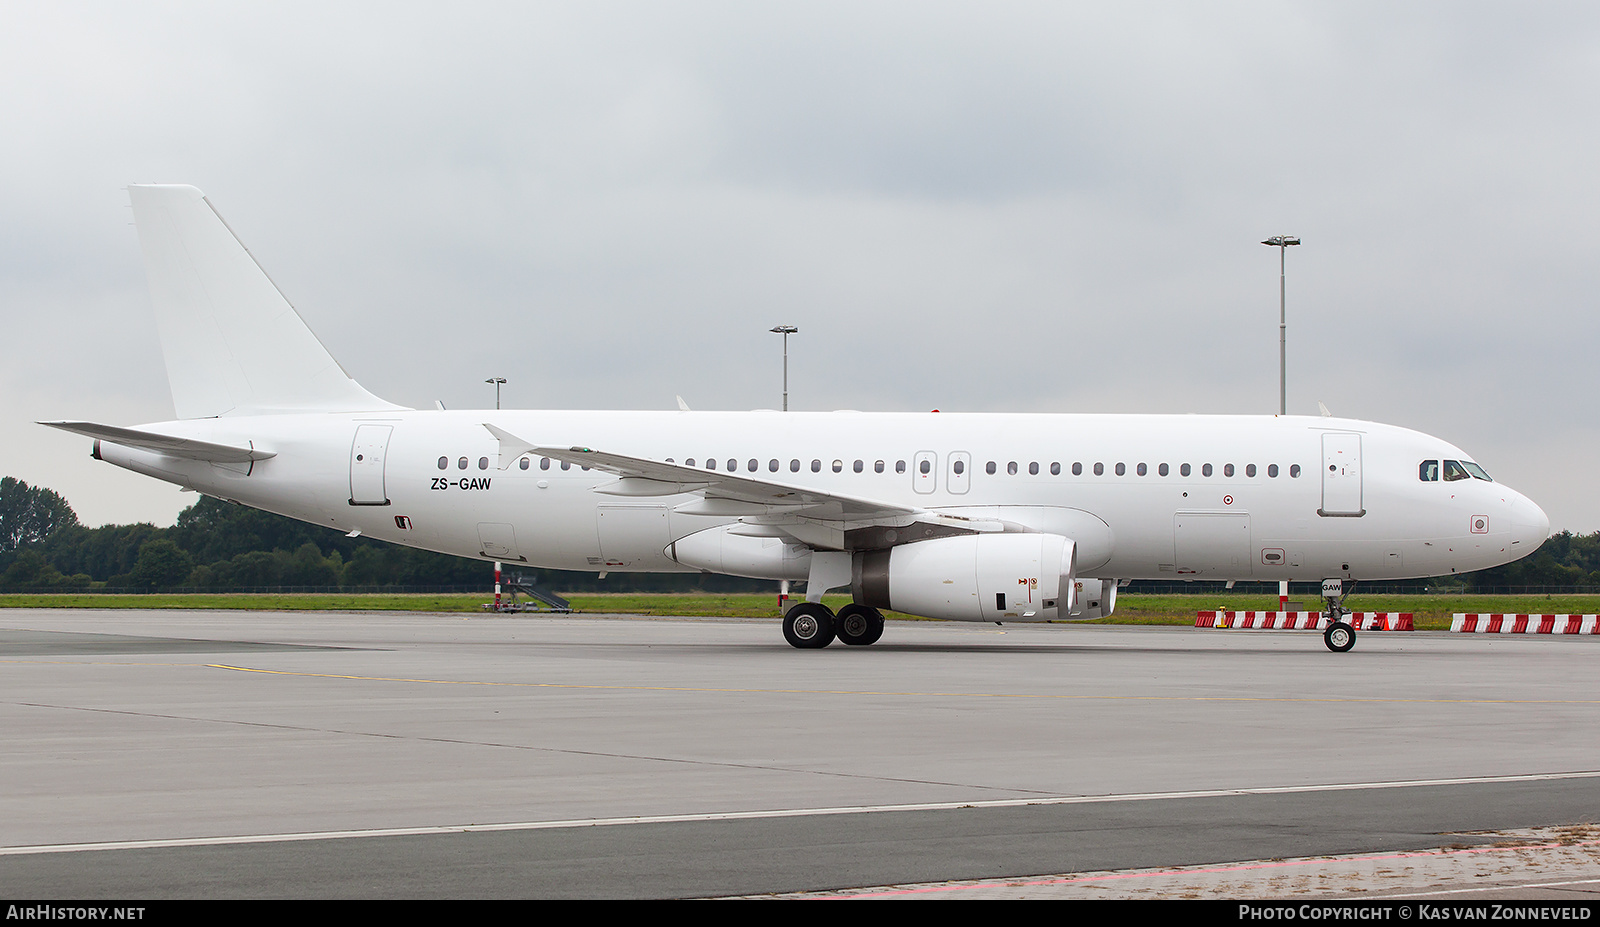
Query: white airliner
point(970, 517)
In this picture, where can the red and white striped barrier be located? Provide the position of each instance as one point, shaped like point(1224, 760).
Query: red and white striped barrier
point(1477, 623)
point(1302, 621)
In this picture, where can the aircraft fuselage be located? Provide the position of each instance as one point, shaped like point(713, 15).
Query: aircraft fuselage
point(1143, 496)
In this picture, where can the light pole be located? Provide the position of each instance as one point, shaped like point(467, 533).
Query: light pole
point(785, 331)
point(498, 382)
point(1282, 243)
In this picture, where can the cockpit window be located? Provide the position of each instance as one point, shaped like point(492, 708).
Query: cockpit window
point(1429, 471)
point(1477, 471)
point(1454, 471)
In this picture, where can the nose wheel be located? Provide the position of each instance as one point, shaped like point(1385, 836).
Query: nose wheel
point(1339, 637)
point(808, 626)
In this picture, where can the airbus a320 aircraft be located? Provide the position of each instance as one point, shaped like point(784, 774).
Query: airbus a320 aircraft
point(970, 517)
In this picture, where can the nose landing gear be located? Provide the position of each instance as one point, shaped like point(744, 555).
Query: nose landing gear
point(1340, 635)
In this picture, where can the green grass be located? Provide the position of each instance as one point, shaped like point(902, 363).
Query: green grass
point(1432, 611)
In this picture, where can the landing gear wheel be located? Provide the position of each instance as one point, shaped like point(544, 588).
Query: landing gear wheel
point(809, 626)
point(1339, 637)
point(859, 624)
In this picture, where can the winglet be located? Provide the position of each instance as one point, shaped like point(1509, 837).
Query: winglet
point(511, 446)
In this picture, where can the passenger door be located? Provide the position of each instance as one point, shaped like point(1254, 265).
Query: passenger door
point(368, 453)
point(1341, 475)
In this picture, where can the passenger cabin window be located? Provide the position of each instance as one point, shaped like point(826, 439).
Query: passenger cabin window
point(794, 465)
point(1272, 470)
point(838, 466)
point(1077, 468)
point(899, 466)
point(1428, 472)
point(1205, 469)
point(925, 466)
point(1142, 470)
point(1294, 471)
point(544, 463)
point(816, 466)
point(753, 465)
point(1099, 469)
point(1122, 469)
point(1250, 470)
point(989, 468)
point(1183, 470)
point(1055, 468)
point(1011, 468)
point(461, 464)
point(1162, 470)
point(772, 465)
point(566, 465)
point(523, 463)
point(858, 466)
point(877, 466)
point(959, 467)
point(483, 463)
point(444, 463)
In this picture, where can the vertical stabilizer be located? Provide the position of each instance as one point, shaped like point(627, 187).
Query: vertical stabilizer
point(233, 344)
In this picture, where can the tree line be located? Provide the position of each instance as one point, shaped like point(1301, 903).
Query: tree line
point(222, 546)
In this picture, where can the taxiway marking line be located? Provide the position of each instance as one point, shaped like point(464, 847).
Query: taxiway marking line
point(776, 813)
point(853, 692)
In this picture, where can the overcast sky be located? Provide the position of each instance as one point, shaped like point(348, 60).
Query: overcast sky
point(970, 207)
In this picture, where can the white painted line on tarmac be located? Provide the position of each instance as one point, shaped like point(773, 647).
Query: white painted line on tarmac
point(779, 813)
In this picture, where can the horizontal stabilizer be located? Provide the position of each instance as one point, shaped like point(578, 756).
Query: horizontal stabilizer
point(187, 448)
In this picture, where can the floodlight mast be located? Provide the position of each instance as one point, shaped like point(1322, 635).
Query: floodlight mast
point(785, 331)
point(497, 381)
point(1283, 243)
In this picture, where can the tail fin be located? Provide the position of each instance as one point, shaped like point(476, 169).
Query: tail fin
point(233, 344)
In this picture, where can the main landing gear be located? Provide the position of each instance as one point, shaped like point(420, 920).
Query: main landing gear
point(812, 625)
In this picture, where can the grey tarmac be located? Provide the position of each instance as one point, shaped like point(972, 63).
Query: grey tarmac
point(179, 754)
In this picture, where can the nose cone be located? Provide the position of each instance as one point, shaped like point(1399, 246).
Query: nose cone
point(1529, 526)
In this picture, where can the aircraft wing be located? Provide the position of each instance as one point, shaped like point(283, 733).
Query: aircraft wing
point(725, 493)
point(764, 507)
point(170, 445)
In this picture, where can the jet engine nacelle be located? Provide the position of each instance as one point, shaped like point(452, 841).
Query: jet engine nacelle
point(980, 577)
point(720, 550)
point(1096, 598)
